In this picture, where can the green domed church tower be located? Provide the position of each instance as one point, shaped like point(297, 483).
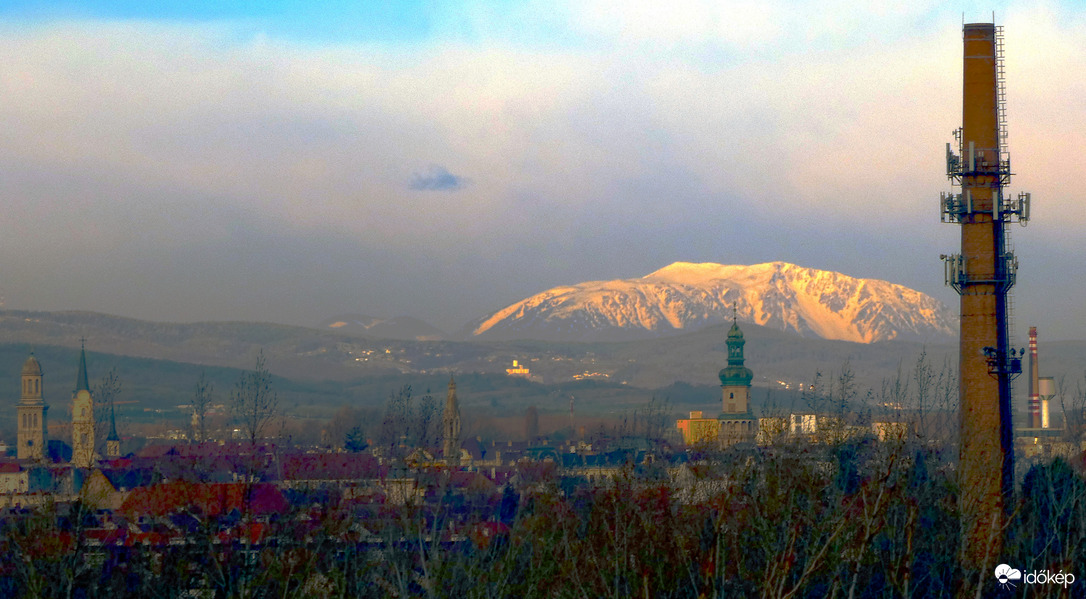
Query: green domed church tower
point(737, 422)
point(735, 378)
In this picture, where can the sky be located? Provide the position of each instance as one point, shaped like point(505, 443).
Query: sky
point(294, 161)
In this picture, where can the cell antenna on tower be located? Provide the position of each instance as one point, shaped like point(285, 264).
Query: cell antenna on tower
point(983, 275)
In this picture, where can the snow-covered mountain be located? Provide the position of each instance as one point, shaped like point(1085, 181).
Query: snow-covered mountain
point(687, 296)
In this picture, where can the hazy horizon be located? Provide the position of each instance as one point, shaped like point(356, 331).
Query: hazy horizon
point(185, 161)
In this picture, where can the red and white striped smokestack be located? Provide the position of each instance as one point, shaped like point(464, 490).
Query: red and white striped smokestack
point(1034, 382)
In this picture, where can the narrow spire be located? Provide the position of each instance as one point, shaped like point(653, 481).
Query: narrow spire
point(81, 383)
point(735, 312)
point(113, 436)
point(451, 403)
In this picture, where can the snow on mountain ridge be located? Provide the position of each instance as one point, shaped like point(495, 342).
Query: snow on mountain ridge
point(688, 295)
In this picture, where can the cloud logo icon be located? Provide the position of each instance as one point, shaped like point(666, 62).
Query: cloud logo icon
point(1005, 574)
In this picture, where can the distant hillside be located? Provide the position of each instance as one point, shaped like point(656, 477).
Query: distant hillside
point(313, 355)
point(317, 372)
point(151, 390)
point(159, 391)
point(685, 297)
point(295, 352)
point(401, 327)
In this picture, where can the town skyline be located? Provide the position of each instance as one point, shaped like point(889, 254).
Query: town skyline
point(192, 162)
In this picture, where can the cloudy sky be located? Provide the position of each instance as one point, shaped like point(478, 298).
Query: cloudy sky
point(272, 161)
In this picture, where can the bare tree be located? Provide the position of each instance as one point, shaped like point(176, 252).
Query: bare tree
point(1074, 411)
point(925, 378)
point(253, 403)
point(201, 401)
point(427, 423)
point(409, 424)
point(845, 392)
point(396, 422)
point(345, 419)
point(658, 419)
point(650, 421)
point(835, 404)
point(926, 397)
point(814, 393)
point(946, 407)
point(105, 392)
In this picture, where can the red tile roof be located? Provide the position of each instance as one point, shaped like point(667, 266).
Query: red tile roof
point(331, 466)
point(211, 499)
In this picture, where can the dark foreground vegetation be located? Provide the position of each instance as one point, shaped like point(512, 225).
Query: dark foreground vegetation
point(855, 519)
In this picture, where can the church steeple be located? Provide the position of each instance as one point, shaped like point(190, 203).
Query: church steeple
point(112, 424)
point(113, 441)
point(737, 422)
point(82, 416)
point(735, 374)
point(81, 383)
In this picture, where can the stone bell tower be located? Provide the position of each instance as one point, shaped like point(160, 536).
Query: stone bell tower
point(31, 413)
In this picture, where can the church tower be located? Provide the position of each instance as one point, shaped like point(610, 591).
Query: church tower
point(113, 441)
point(736, 419)
point(451, 422)
point(82, 417)
point(31, 413)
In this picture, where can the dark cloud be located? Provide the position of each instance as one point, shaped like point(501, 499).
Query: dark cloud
point(436, 178)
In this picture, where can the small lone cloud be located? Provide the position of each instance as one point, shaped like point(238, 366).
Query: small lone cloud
point(436, 178)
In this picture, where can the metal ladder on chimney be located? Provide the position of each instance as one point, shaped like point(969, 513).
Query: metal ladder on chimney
point(1001, 108)
point(1004, 167)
